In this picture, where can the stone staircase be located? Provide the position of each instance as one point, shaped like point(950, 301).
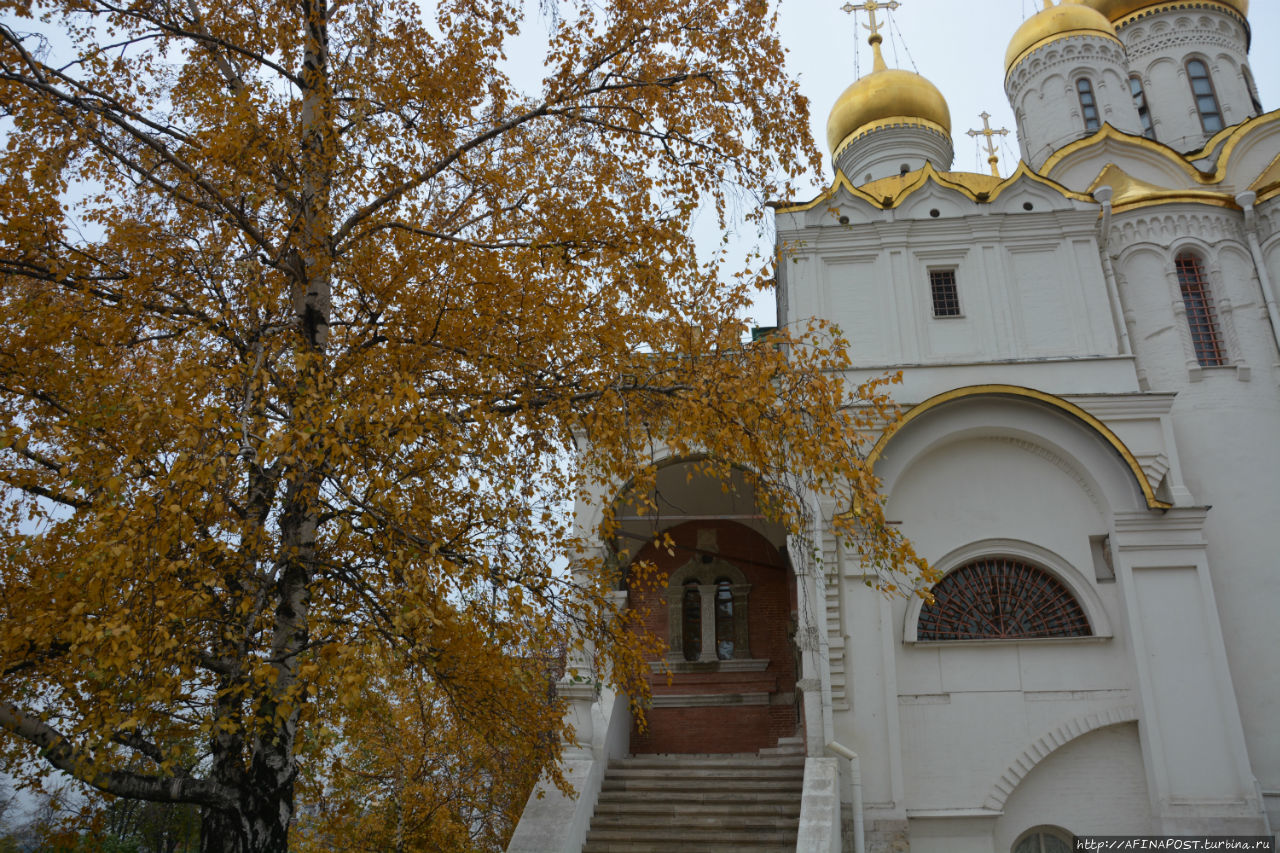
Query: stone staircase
point(701, 803)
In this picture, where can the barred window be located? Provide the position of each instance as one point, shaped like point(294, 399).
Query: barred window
point(998, 598)
point(946, 298)
point(1205, 97)
point(1201, 318)
point(1144, 111)
point(1088, 104)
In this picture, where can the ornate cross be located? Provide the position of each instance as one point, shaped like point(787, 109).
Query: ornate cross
point(986, 131)
point(870, 7)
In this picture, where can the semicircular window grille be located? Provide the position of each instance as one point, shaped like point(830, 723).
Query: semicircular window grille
point(998, 598)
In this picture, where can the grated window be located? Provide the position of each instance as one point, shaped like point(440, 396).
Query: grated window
point(946, 298)
point(1201, 319)
point(1001, 599)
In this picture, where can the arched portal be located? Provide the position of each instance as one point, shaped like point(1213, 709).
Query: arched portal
point(723, 601)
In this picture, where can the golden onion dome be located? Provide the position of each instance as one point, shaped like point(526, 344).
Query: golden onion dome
point(1117, 9)
point(886, 94)
point(1054, 22)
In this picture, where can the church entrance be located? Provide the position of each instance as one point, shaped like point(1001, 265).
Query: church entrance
point(724, 601)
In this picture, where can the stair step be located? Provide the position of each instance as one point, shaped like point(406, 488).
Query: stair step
point(677, 794)
point(629, 771)
point(789, 757)
point(685, 835)
point(686, 847)
point(783, 807)
point(693, 786)
point(680, 823)
point(737, 803)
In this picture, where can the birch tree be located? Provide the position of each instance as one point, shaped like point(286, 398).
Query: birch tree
point(306, 309)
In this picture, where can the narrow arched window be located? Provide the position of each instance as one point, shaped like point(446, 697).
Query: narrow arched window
point(724, 619)
point(1144, 111)
point(1205, 97)
point(1206, 339)
point(1088, 104)
point(998, 598)
point(691, 620)
point(1253, 91)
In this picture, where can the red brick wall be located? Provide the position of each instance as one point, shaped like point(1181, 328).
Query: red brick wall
point(770, 621)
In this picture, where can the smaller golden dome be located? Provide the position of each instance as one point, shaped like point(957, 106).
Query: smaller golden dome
point(885, 93)
point(1055, 22)
point(1117, 9)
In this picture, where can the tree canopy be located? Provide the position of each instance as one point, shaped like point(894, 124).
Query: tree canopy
point(308, 312)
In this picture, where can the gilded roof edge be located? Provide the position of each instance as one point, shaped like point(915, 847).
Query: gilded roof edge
point(978, 187)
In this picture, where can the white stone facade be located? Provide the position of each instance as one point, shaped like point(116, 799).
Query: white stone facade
point(1071, 299)
point(1070, 416)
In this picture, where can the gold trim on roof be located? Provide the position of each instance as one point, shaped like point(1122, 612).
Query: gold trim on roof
point(1130, 192)
point(1109, 133)
point(1123, 19)
point(1117, 9)
point(1234, 136)
point(983, 189)
point(1103, 431)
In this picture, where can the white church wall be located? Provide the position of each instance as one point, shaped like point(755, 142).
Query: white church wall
point(966, 709)
point(1198, 769)
point(857, 293)
point(1094, 784)
point(1268, 220)
point(1227, 422)
point(1226, 429)
point(1029, 287)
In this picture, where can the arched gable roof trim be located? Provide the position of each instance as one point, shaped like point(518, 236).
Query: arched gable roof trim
point(976, 187)
point(1069, 408)
point(1224, 141)
point(1047, 743)
point(1110, 134)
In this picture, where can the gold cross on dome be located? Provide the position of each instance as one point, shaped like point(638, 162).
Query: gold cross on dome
point(871, 7)
point(990, 134)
